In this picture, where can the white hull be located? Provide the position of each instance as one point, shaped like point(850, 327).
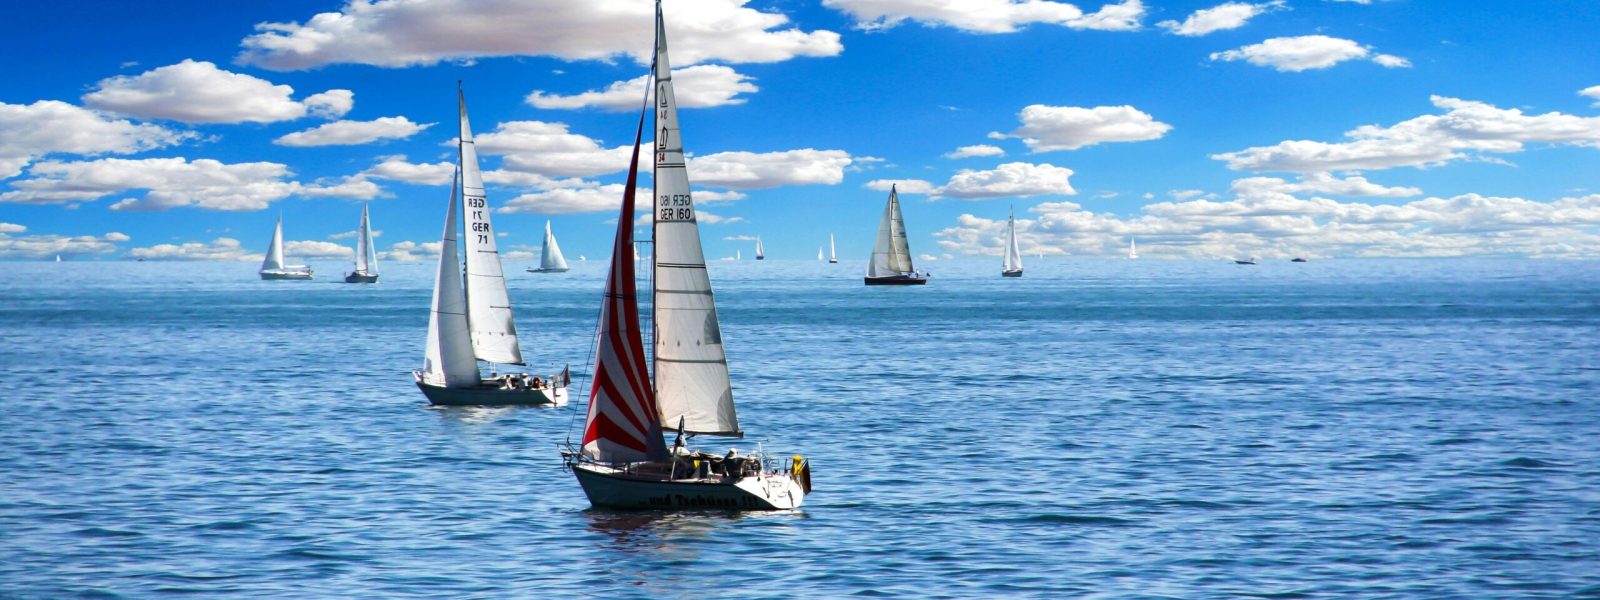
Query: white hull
point(615, 488)
point(278, 275)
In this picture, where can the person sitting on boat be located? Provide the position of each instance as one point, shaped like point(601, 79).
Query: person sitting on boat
point(538, 384)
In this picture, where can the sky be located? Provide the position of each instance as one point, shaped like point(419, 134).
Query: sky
point(177, 130)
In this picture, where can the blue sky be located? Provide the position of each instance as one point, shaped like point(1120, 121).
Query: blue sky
point(1327, 128)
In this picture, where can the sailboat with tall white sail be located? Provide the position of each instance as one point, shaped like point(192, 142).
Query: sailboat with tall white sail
point(272, 267)
point(1133, 249)
point(760, 253)
point(833, 257)
point(471, 318)
point(819, 254)
point(1012, 265)
point(550, 259)
point(623, 461)
point(891, 256)
point(366, 267)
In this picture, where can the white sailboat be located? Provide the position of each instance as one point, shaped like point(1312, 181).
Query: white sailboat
point(819, 254)
point(272, 267)
point(1012, 265)
point(833, 257)
point(738, 255)
point(891, 256)
point(550, 259)
point(475, 323)
point(366, 268)
point(1133, 249)
point(760, 254)
point(624, 462)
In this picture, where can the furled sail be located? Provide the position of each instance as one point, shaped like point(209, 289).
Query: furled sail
point(691, 368)
point(550, 258)
point(494, 334)
point(1013, 260)
point(892, 254)
point(621, 425)
point(448, 360)
point(274, 259)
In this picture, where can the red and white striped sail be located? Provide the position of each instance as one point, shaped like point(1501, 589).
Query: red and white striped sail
point(621, 425)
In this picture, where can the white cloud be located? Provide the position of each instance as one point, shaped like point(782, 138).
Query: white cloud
point(750, 170)
point(549, 149)
point(703, 197)
point(170, 183)
point(1181, 195)
point(739, 238)
point(350, 133)
point(1306, 52)
point(1592, 92)
point(31, 131)
point(221, 248)
point(345, 235)
point(1231, 15)
point(988, 16)
point(566, 201)
point(700, 86)
point(408, 251)
point(1321, 183)
point(904, 186)
point(48, 245)
point(397, 168)
point(1279, 226)
point(354, 187)
point(1008, 180)
point(714, 219)
point(1046, 128)
point(1468, 129)
point(198, 92)
point(423, 32)
point(976, 150)
point(331, 104)
point(316, 249)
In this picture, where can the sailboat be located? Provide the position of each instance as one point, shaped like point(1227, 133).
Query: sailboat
point(738, 255)
point(833, 257)
point(623, 461)
point(819, 254)
point(1245, 261)
point(476, 323)
point(366, 269)
point(550, 259)
point(891, 257)
point(58, 258)
point(1012, 265)
point(272, 267)
point(760, 255)
point(1133, 249)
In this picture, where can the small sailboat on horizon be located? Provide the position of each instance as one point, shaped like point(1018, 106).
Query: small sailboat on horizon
point(471, 317)
point(1012, 265)
point(550, 259)
point(891, 257)
point(272, 267)
point(366, 267)
point(623, 460)
point(1133, 249)
point(760, 254)
point(833, 257)
point(1245, 261)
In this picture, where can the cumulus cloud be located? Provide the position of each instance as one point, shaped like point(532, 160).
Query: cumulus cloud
point(1468, 129)
point(353, 187)
point(423, 32)
point(904, 186)
point(222, 248)
point(48, 245)
point(1592, 92)
point(12, 228)
point(1321, 183)
point(1306, 52)
point(976, 150)
point(302, 249)
point(567, 201)
point(199, 92)
point(351, 133)
point(751, 170)
point(551, 150)
point(397, 168)
point(32, 131)
point(1046, 128)
point(331, 104)
point(1279, 226)
point(1017, 179)
point(169, 183)
point(1231, 15)
point(989, 16)
point(409, 251)
point(700, 86)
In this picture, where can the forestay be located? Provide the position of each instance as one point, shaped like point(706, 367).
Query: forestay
point(494, 334)
point(448, 360)
point(691, 368)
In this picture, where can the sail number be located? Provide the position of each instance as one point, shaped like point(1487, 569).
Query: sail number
point(675, 207)
point(475, 202)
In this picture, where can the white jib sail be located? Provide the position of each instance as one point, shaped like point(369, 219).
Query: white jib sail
point(494, 334)
point(448, 360)
point(274, 259)
point(892, 254)
point(1013, 260)
point(366, 259)
point(550, 258)
point(691, 367)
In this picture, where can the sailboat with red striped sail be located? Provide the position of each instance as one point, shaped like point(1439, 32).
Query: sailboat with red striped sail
point(624, 461)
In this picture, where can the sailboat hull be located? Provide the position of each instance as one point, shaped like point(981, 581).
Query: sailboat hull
point(361, 278)
point(285, 275)
point(897, 280)
point(533, 270)
point(1016, 273)
point(609, 487)
point(490, 393)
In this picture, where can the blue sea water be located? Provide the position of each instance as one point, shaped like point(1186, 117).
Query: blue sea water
point(1185, 429)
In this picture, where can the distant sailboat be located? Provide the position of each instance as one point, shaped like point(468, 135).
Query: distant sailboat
point(476, 323)
point(891, 257)
point(366, 269)
point(550, 259)
point(737, 255)
point(58, 258)
point(623, 461)
point(1299, 259)
point(833, 257)
point(819, 254)
point(1245, 261)
point(760, 255)
point(1012, 265)
point(1133, 249)
point(272, 267)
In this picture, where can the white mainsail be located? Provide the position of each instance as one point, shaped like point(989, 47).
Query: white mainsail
point(366, 259)
point(1013, 260)
point(274, 259)
point(691, 368)
point(833, 256)
point(819, 254)
point(550, 258)
point(448, 359)
point(1133, 249)
point(494, 334)
point(892, 254)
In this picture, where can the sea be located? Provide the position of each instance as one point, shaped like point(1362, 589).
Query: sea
point(1101, 428)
